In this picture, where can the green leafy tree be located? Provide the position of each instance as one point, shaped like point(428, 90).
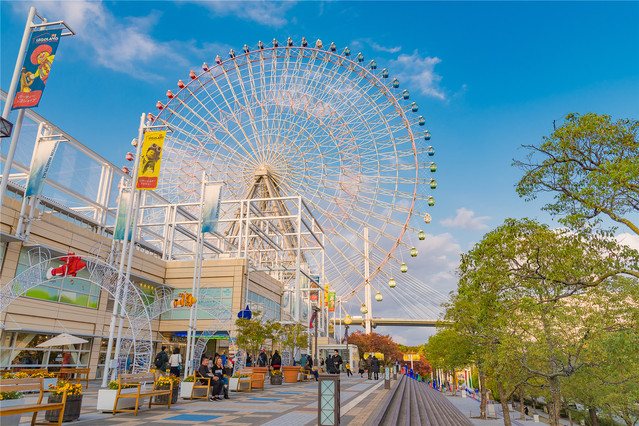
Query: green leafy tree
point(591, 166)
point(254, 333)
point(293, 336)
point(540, 295)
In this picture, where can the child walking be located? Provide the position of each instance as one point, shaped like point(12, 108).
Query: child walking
point(348, 370)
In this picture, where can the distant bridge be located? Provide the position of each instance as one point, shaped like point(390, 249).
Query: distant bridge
point(391, 322)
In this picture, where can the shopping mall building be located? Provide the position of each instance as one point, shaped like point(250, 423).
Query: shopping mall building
point(76, 213)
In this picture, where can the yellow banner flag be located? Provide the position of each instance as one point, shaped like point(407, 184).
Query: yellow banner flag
point(150, 159)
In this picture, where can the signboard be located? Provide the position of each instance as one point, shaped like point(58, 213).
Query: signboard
point(331, 301)
point(42, 157)
point(411, 357)
point(326, 290)
point(377, 355)
point(150, 160)
point(314, 296)
point(120, 220)
point(36, 67)
point(211, 207)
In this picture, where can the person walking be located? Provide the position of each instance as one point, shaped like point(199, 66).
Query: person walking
point(248, 361)
point(375, 364)
point(175, 362)
point(348, 370)
point(362, 367)
point(262, 359)
point(369, 366)
point(161, 360)
point(276, 361)
point(329, 364)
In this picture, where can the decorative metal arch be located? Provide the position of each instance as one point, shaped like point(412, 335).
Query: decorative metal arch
point(108, 278)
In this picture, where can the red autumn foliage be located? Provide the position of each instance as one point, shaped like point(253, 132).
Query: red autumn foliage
point(376, 343)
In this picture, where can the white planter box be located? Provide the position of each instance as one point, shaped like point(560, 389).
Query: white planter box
point(187, 387)
point(13, 420)
point(106, 399)
point(239, 383)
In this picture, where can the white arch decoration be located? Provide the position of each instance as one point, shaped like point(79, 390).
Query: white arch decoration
point(103, 274)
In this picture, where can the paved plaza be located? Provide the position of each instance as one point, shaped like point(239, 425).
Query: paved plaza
point(288, 404)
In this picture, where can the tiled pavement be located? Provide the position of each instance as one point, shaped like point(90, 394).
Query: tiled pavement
point(289, 404)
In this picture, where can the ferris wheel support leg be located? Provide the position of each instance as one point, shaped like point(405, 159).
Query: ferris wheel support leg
point(367, 291)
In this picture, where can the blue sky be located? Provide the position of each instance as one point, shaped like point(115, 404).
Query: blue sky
point(488, 77)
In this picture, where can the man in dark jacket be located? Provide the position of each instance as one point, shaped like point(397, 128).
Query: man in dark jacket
point(262, 360)
point(162, 358)
point(329, 364)
point(376, 368)
point(337, 361)
point(369, 366)
point(216, 385)
point(276, 361)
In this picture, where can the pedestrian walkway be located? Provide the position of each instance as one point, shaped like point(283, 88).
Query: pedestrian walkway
point(470, 407)
point(292, 404)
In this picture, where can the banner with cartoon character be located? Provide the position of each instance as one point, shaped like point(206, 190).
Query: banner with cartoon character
point(331, 301)
point(150, 159)
point(40, 163)
point(211, 207)
point(36, 67)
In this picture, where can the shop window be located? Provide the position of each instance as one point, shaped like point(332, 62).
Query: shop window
point(77, 290)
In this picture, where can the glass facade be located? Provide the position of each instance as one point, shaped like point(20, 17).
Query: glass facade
point(77, 290)
point(269, 308)
point(211, 297)
point(18, 350)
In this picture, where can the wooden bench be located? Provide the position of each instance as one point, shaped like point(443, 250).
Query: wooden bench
point(31, 371)
point(257, 380)
point(197, 384)
point(306, 375)
point(65, 374)
point(137, 380)
point(8, 385)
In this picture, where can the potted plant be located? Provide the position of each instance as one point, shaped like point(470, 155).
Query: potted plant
point(11, 399)
point(239, 382)
point(293, 337)
point(164, 383)
point(106, 397)
point(73, 405)
point(276, 377)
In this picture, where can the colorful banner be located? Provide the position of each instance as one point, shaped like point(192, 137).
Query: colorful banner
point(150, 159)
point(43, 154)
point(123, 207)
point(211, 206)
point(36, 67)
point(331, 301)
point(326, 291)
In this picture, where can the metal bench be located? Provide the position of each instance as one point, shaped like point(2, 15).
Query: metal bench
point(8, 385)
point(138, 380)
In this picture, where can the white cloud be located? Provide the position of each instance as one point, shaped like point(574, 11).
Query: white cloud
point(631, 240)
point(122, 45)
point(466, 219)
point(263, 12)
point(418, 72)
point(362, 43)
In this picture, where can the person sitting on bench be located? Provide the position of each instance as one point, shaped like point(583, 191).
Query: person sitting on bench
point(218, 377)
point(309, 367)
point(215, 382)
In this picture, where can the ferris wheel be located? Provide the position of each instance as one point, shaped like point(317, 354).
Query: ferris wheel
point(322, 124)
